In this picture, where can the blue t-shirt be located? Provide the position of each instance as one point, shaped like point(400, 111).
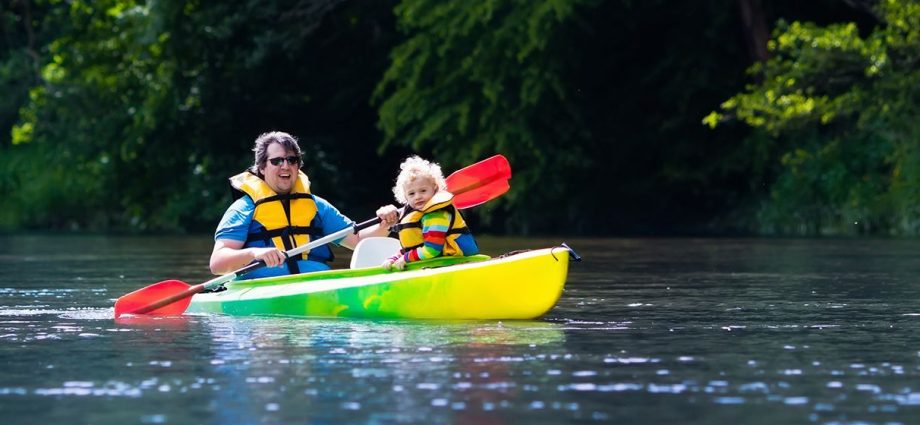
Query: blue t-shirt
point(237, 223)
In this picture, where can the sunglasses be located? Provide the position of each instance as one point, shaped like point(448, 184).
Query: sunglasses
point(293, 160)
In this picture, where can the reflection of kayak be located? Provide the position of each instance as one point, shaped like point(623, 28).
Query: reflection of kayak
point(519, 286)
point(407, 334)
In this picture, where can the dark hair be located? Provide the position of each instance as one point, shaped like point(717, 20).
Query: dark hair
point(260, 149)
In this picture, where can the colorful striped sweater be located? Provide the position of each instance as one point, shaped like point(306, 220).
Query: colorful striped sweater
point(434, 230)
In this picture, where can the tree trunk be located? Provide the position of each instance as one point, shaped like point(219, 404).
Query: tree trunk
point(755, 29)
point(30, 36)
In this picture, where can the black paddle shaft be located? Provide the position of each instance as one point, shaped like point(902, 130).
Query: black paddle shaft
point(355, 228)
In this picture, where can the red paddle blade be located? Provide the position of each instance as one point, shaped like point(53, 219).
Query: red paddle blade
point(480, 182)
point(149, 295)
point(481, 195)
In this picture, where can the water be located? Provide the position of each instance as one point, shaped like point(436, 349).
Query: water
point(647, 331)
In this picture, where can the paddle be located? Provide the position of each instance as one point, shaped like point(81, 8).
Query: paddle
point(480, 182)
point(471, 186)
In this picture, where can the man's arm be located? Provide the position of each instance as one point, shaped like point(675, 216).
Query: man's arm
point(229, 255)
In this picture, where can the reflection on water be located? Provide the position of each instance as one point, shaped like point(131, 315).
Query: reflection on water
point(364, 367)
point(648, 331)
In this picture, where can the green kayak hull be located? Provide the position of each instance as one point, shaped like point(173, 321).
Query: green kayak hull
point(520, 286)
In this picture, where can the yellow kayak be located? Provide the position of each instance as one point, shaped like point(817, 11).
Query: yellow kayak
point(522, 285)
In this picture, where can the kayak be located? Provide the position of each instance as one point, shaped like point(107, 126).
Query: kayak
point(521, 285)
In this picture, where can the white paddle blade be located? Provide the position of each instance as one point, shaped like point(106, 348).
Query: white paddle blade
point(371, 252)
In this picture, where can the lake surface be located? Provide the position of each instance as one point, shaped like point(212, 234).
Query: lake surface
point(757, 331)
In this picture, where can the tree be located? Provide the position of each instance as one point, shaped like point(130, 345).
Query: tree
point(842, 108)
point(589, 100)
point(474, 78)
point(136, 112)
point(145, 108)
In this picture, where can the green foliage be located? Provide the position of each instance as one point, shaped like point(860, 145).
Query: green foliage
point(143, 109)
point(40, 197)
point(130, 115)
point(590, 101)
point(111, 61)
point(843, 108)
point(474, 78)
point(26, 27)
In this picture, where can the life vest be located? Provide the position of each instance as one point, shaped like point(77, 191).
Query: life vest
point(288, 220)
point(409, 229)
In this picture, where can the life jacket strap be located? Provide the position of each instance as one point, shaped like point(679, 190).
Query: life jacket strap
point(279, 197)
point(267, 235)
point(402, 226)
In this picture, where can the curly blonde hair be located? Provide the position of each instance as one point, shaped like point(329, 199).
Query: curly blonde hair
point(414, 168)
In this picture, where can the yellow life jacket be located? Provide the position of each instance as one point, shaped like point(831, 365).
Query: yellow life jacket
point(288, 219)
point(409, 228)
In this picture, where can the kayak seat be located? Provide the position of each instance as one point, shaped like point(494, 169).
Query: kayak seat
point(371, 252)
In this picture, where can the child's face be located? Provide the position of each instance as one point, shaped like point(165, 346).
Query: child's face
point(419, 191)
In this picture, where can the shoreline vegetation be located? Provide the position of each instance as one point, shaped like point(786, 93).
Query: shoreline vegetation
point(654, 118)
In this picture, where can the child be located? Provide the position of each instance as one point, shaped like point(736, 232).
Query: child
point(430, 226)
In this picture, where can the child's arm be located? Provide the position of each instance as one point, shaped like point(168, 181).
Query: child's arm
point(434, 231)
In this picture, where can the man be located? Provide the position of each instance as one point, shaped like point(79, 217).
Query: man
point(276, 212)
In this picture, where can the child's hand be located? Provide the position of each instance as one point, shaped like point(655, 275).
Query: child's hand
point(400, 263)
point(387, 264)
point(397, 262)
